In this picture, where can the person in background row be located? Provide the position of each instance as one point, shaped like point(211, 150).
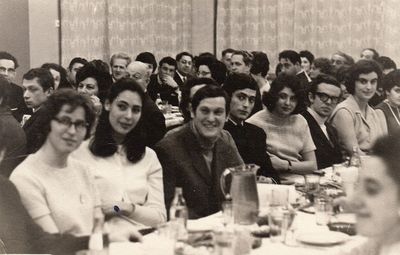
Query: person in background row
point(119, 62)
point(59, 75)
point(15, 101)
point(387, 64)
point(163, 83)
point(307, 58)
point(226, 58)
point(218, 72)
point(203, 66)
point(149, 59)
point(369, 54)
point(356, 124)
point(289, 143)
point(259, 70)
point(95, 81)
point(343, 76)
point(195, 156)
point(391, 105)
point(13, 139)
point(184, 68)
point(291, 65)
point(38, 84)
point(324, 95)
point(73, 67)
point(340, 59)
point(249, 139)
point(320, 66)
point(127, 173)
point(152, 117)
point(58, 191)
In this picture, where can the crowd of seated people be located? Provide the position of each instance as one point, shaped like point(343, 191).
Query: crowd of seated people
point(313, 114)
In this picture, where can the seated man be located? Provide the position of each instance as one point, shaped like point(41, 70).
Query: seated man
point(184, 65)
point(20, 234)
point(291, 65)
point(152, 118)
point(15, 94)
point(250, 139)
point(73, 67)
point(38, 84)
point(163, 83)
point(324, 95)
point(119, 62)
point(195, 156)
point(11, 135)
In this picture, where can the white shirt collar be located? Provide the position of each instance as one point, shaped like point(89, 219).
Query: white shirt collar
point(320, 120)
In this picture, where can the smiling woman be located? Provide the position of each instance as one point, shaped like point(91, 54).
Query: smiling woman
point(128, 174)
point(355, 122)
point(45, 178)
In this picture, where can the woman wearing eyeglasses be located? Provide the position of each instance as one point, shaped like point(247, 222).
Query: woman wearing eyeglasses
point(355, 122)
point(128, 174)
point(58, 191)
point(289, 142)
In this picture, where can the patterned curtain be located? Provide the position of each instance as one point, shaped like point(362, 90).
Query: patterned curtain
point(99, 28)
point(321, 26)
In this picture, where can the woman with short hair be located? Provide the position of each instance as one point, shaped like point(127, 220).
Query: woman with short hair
point(289, 144)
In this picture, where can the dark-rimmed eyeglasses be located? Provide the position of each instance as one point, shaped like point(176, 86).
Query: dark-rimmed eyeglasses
point(325, 97)
point(80, 125)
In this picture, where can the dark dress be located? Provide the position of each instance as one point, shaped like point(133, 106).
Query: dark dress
point(392, 124)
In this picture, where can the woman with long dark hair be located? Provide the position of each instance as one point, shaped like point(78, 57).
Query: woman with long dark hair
point(128, 174)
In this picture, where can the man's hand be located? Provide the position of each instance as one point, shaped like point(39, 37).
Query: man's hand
point(169, 81)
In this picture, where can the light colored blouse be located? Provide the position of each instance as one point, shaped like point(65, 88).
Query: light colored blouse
point(288, 138)
point(66, 194)
point(118, 179)
point(366, 129)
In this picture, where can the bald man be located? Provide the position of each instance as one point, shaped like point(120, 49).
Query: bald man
point(153, 119)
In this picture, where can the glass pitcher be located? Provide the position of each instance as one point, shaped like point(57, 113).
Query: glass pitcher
point(243, 191)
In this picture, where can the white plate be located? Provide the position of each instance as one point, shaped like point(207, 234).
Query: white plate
point(323, 238)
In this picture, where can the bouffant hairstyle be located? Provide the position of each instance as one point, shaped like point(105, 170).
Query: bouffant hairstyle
point(362, 67)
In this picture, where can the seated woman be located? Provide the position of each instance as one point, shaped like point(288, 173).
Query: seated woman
point(58, 191)
point(59, 75)
point(391, 105)
point(289, 144)
point(379, 187)
point(356, 124)
point(128, 174)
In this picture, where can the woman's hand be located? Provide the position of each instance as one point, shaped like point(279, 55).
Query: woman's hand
point(118, 207)
point(279, 164)
point(120, 231)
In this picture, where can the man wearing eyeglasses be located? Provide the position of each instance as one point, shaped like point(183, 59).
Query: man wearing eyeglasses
point(323, 95)
point(8, 66)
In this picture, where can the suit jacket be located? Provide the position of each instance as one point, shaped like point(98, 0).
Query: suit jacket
point(327, 152)
point(32, 128)
point(20, 234)
point(166, 92)
point(184, 166)
point(303, 80)
point(153, 122)
point(13, 140)
point(251, 143)
point(179, 81)
point(16, 101)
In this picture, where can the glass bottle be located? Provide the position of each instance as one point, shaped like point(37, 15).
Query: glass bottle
point(178, 214)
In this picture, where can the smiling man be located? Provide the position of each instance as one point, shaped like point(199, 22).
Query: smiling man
point(250, 139)
point(324, 95)
point(195, 156)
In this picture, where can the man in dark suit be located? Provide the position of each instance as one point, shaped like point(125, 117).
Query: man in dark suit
point(184, 62)
point(15, 101)
point(250, 140)
point(152, 117)
point(12, 136)
point(38, 84)
point(324, 95)
point(291, 64)
point(195, 156)
point(163, 83)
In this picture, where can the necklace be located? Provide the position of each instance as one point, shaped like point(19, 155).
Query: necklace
point(394, 115)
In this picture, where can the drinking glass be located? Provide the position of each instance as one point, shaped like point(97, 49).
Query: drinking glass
point(323, 210)
point(276, 225)
point(311, 186)
point(227, 212)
